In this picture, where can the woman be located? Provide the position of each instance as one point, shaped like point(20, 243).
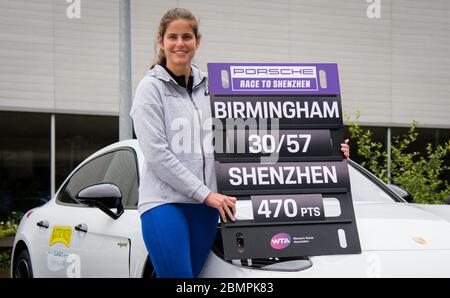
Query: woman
point(178, 202)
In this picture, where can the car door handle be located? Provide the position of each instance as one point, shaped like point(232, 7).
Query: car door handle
point(43, 224)
point(82, 228)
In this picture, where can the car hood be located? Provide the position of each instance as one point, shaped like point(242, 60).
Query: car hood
point(402, 226)
point(397, 240)
point(412, 263)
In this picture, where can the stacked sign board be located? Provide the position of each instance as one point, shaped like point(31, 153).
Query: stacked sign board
point(278, 130)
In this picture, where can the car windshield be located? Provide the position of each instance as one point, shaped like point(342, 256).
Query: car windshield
point(365, 190)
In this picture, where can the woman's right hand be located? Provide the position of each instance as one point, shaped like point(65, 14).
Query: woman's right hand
point(225, 204)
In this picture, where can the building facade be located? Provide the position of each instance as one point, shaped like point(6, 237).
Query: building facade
point(59, 64)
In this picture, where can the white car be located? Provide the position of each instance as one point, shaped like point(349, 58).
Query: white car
point(65, 238)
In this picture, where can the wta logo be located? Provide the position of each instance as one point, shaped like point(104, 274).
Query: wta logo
point(280, 241)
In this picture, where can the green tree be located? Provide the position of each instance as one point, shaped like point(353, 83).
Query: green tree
point(420, 175)
point(7, 229)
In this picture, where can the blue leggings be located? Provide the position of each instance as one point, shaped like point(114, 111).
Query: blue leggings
point(179, 237)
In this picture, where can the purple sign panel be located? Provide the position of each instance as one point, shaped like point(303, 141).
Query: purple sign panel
point(257, 78)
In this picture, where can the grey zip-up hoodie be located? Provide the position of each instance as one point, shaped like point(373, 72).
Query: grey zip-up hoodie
point(175, 139)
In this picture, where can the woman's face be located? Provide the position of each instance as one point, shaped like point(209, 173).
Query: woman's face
point(179, 44)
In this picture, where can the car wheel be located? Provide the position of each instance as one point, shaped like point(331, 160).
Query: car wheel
point(22, 266)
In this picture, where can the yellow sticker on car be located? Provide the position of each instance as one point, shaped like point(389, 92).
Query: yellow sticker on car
point(61, 234)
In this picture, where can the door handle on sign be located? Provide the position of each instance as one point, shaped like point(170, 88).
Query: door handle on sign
point(43, 224)
point(82, 228)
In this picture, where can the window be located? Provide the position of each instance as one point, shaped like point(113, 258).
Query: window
point(364, 190)
point(118, 167)
point(123, 172)
point(379, 135)
point(24, 161)
point(77, 137)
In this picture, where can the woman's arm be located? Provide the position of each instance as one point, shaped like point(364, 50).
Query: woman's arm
point(148, 120)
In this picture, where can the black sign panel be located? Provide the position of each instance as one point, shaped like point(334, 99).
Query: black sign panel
point(294, 177)
point(284, 143)
point(263, 241)
point(285, 208)
point(272, 145)
point(335, 206)
point(289, 111)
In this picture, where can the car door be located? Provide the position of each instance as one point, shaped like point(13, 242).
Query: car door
point(100, 245)
point(51, 239)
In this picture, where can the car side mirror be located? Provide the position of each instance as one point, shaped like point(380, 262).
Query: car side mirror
point(447, 200)
point(406, 195)
point(103, 196)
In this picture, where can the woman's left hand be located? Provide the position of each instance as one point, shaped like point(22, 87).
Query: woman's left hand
point(345, 148)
